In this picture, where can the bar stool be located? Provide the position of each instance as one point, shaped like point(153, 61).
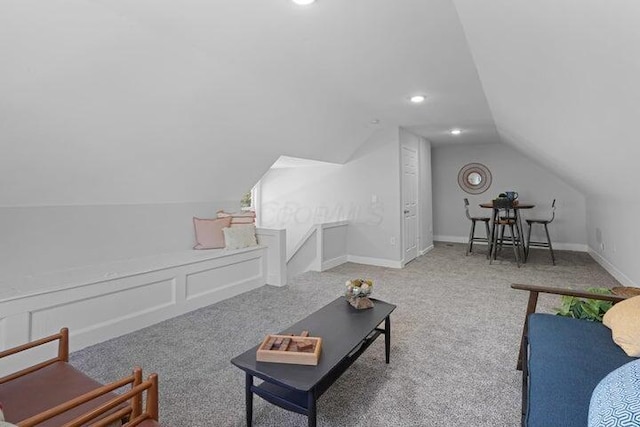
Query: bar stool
point(473, 220)
point(545, 223)
point(502, 220)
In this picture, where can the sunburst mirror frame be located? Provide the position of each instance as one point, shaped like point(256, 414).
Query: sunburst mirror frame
point(474, 178)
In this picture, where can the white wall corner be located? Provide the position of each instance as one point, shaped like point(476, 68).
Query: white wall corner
point(329, 264)
point(276, 242)
point(333, 249)
point(316, 265)
point(379, 262)
point(426, 250)
point(611, 269)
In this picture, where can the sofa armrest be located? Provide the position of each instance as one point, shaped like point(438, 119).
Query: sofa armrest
point(535, 290)
point(63, 353)
point(565, 291)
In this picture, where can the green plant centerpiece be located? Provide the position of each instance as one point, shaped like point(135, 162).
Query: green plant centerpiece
point(587, 309)
point(358, 291)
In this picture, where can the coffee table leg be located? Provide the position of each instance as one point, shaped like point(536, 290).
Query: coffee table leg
point(311, 405)
point(249, 399)
point(387, 338)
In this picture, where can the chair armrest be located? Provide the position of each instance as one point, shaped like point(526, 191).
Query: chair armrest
point(150, 407)
point(63, 353)
point(568, 292)
point(133, 410)
point(137, 415)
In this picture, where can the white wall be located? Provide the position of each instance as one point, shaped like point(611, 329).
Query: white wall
point(50, 238)
point(296, 198)
point(567, 96)
point(613, 236)
point(558, 90)
point(425, 196)
point(511, 171)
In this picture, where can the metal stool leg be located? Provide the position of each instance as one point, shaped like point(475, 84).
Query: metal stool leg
point(471, 233)
point(553, 257)
point(494, 243)
point(529, 239)
point(491, 241)
point(521, 243)
point(486, 225)
point(516, 248)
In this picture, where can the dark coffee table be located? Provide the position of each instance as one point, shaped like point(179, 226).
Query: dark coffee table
point(346, 333)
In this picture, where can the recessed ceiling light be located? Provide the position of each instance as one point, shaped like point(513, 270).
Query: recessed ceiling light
point(417, 99)
point(375, 121)
point(303, 2)
point(455, 131)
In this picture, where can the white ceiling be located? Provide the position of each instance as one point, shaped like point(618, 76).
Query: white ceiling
point(136, 101)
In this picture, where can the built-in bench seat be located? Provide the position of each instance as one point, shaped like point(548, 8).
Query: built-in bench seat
point(20, 287)
point(105, 301)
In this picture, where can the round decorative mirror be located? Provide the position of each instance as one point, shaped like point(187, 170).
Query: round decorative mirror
point(474, 178)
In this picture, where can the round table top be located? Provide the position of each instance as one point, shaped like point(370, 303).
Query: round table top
point(520, 205)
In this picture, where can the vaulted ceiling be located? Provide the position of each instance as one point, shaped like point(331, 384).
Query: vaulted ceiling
point(135, 101)
point(561, 79)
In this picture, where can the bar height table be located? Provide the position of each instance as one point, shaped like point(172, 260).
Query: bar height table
point(494, 218)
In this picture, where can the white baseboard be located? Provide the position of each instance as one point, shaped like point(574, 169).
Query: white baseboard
point(426, 250)
point(611, 269)
point(379, 262)
point(452, 239)
point(326, 265)
point(577, 247)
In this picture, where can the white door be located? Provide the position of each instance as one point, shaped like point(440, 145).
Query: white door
point(410, 203)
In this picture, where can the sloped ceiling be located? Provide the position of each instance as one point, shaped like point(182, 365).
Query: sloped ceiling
point(138, 101)
point(562, 81)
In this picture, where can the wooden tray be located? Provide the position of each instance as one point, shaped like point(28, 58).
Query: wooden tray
point(288, 351)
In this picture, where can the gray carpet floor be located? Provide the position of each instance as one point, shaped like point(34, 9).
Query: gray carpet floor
point(456, 333)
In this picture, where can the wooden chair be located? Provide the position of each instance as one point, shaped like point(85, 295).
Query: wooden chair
point(473, 220)
point(502, 220)
point(126, 406)
point(545, 223)
point(47, 384)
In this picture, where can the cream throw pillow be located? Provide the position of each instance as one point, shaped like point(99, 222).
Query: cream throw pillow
point(3, 423)
point(238, 237)
point(624, 321)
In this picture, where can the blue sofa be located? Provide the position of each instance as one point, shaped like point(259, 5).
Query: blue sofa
point(562, 360)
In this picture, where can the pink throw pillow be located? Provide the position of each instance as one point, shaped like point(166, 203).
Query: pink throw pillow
point(209, 233)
